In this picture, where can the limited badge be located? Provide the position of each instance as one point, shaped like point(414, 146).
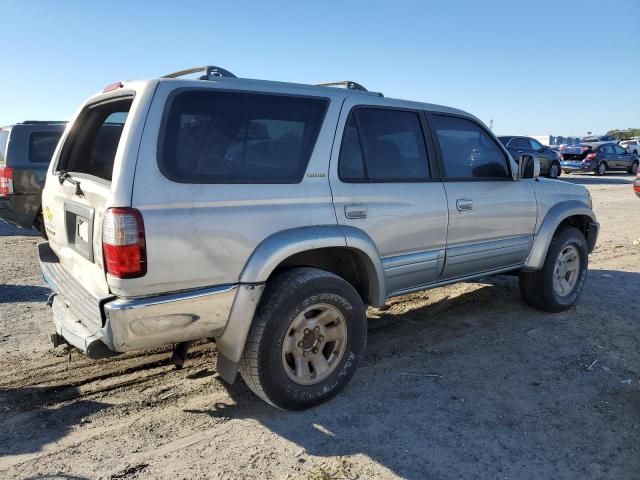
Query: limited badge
point(49, 224)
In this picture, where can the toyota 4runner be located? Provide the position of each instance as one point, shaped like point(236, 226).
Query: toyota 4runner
point(267, 216)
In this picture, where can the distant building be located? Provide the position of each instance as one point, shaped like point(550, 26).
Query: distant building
point(556, 140)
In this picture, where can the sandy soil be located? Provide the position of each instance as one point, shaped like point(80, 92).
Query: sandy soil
point(458, 382)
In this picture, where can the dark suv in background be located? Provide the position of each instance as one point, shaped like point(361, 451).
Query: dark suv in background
point(25, 151)
point(549, 159)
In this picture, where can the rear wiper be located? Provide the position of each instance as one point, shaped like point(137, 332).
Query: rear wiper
point(64, 175)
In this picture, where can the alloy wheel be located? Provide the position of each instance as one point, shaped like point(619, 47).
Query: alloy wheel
point(566, 271)
point(314, 344)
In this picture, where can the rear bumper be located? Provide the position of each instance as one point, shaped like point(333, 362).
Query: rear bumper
point(101, 327)
point(576, 166)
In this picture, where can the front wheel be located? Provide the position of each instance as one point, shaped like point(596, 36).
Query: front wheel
point(554, 170)
point(560, 282)
point(306, 341)
point(634, 168)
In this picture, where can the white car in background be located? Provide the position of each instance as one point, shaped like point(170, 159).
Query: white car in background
point(596, 140)
point(632, 146)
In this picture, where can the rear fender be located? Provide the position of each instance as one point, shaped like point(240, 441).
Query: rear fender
point(264, 261)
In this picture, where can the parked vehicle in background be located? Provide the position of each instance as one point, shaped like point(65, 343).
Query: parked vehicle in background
point(268, 215)
point(25, 152)
point(597, 140)
point(599, 160)
point(632, 146)
point(548, 158)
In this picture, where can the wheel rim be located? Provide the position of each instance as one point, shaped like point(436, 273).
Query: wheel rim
point(634, 168)
point(314, 344)
point(566, 271)
point(602, 169)
point(554, 170)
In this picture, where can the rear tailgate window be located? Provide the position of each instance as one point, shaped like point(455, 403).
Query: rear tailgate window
point(91, 147)
point(42, 146)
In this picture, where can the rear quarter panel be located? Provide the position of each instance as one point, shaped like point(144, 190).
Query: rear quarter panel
point(203, 234)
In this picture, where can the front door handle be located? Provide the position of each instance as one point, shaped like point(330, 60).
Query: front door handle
point(355, 211)
point(464, 205)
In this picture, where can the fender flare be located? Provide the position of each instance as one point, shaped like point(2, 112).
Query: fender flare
point(554, 217)
point(280, 246)
point(266, 258)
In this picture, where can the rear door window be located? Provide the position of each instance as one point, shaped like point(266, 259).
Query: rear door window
point(383, 145)
point(519, 143)
point(468, 151)
point(92, 146)
point(42, 146)
point(607, 148)
point(239, 137)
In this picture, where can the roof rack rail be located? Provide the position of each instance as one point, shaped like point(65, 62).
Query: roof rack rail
point(42, 122)
point(344, 83)
point(209, 72)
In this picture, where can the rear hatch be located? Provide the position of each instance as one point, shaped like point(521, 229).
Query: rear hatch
point(88, 175)
point(575, 153)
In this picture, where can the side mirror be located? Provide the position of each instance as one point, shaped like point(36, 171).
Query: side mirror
point(528, 166)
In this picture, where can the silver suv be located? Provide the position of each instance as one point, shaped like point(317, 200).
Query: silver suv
point(269, 215)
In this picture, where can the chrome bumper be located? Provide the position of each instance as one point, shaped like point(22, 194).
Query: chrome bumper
point(122, 325)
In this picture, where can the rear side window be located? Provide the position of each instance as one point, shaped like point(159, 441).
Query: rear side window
point(519, 143)
point(468, 151)
point(42, 145)
point(92, 145)
point(238, 137)
point(607, 148)
point(4, 140)
point(383, 145)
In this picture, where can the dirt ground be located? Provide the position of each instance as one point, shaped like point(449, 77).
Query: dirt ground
point(458, 382)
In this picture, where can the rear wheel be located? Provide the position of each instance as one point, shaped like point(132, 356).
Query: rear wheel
point(560, 282)
point(554, 170)
point(634, 168)
point(306, 340)
point(601, 169)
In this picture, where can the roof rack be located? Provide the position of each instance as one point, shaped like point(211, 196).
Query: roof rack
point(345, 84)
point(42, 122)
point(209, 72)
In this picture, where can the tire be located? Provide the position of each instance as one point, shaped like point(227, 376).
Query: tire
point(554, 170)
point(290, 298)
point(633, 170)
point(601, 169)
point(539, 289)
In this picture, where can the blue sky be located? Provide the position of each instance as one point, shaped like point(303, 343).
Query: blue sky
point(537, 67)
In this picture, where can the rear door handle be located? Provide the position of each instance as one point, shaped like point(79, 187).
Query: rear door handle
point(464, 205)
point(355, 211)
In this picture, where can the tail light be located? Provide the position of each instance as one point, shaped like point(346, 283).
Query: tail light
point(123, 243)
point(591, 156)
point(636, 187)
point(6, 180)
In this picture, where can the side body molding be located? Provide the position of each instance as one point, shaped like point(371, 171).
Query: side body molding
point(266, 258)
point(544, 235)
